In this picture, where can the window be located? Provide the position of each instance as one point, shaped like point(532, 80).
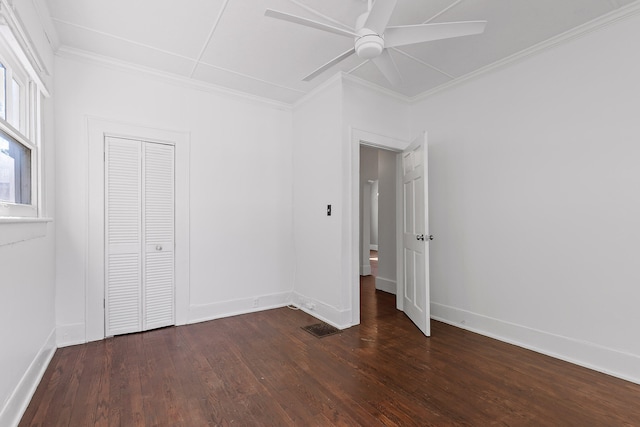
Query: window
point(20, 93)
point(17, 152)
point(16, 103)
point(3, 92)
point(15, 171)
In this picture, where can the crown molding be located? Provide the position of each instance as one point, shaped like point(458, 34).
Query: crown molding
point(336, 78)
point(44, 15)
point(357, 81)
point(116, 64)
point(575, 33)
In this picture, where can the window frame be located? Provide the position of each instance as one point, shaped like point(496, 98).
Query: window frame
point(8, 209)
point(27, 132)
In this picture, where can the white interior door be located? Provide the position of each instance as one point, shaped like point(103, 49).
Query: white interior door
point(139, 236)
point(123, 236)
point(415, 277)
point(158, 226)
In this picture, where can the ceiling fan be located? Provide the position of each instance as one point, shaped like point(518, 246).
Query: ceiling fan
point(373, 38)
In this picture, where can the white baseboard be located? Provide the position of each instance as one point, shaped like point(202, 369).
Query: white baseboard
point(341, 319)
point(17, 403)
point(365, 270)
point(386, 285)
point(612, 362)
point(218, 310)
point(70, 334)
point(373, 247)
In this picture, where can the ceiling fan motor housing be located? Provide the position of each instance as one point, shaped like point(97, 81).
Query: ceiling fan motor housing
point(369, 44)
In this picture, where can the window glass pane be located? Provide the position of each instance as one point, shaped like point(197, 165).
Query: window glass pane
point(15, 171)
point(3, 92)
point(14, 116)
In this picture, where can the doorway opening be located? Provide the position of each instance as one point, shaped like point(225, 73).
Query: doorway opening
point(377, 234)
point(411, 266)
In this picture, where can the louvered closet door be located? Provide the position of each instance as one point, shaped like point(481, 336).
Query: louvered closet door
point(158, 218)
point(139, 235)
point(123, 236)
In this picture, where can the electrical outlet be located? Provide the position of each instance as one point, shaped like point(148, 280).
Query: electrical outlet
point(256, 302)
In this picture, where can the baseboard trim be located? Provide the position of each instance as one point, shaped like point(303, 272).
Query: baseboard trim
point(17, 403)
point(341, 319)
point(387, 285)
point(365, 270)
point(218, 310)
point(592, 356)
point(70, 334)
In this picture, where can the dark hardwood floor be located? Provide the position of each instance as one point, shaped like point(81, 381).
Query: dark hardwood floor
point(263, 369)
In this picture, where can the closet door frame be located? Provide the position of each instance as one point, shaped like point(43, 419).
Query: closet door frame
point(93, 327)
point(139, 256)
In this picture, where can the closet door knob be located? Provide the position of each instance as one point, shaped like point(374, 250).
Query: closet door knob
point(158, 247)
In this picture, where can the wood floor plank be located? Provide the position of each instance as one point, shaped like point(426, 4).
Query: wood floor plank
point(102, 397)
point(36, 414)
point(263, 369)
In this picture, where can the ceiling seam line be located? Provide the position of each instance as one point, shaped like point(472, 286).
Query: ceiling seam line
point(176, 55)
point(113, 36)
point(420, 61)
point(321, 15)
point(452, 5)
point(251, 77)
point(206, 44)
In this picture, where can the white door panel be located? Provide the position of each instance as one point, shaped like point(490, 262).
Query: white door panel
point(123, 299)
point(415, 277)
point(158, 218)
point(123, 236)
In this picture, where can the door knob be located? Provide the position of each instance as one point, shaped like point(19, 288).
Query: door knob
point(430, 237)
point(158, 247)
point(420, 237)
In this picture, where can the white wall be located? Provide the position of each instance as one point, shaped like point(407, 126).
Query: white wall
point(386, 279)
point(381, 120)
point(317, 157)
point(240, 187)
point(375, 112)
point(326, 171)
point(533, 188)
point(374, 214)
point(368, 172)
point(27, 272)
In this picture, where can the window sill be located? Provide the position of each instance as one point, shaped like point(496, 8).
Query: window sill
point(14, 229)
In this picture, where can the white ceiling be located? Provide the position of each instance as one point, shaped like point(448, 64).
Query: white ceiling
point(232, 44)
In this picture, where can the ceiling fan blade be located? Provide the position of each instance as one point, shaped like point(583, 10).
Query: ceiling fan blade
point(379, 15)
point(330, 64)
point(308, 23)
point(410, 34)
point(387, 67)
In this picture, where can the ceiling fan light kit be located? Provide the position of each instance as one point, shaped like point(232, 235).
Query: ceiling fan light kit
point(369, 46)
point(369, 38)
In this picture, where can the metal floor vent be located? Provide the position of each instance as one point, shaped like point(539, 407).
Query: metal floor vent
point(321, 330)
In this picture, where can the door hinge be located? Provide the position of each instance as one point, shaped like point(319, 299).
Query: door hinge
point(104, 303)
